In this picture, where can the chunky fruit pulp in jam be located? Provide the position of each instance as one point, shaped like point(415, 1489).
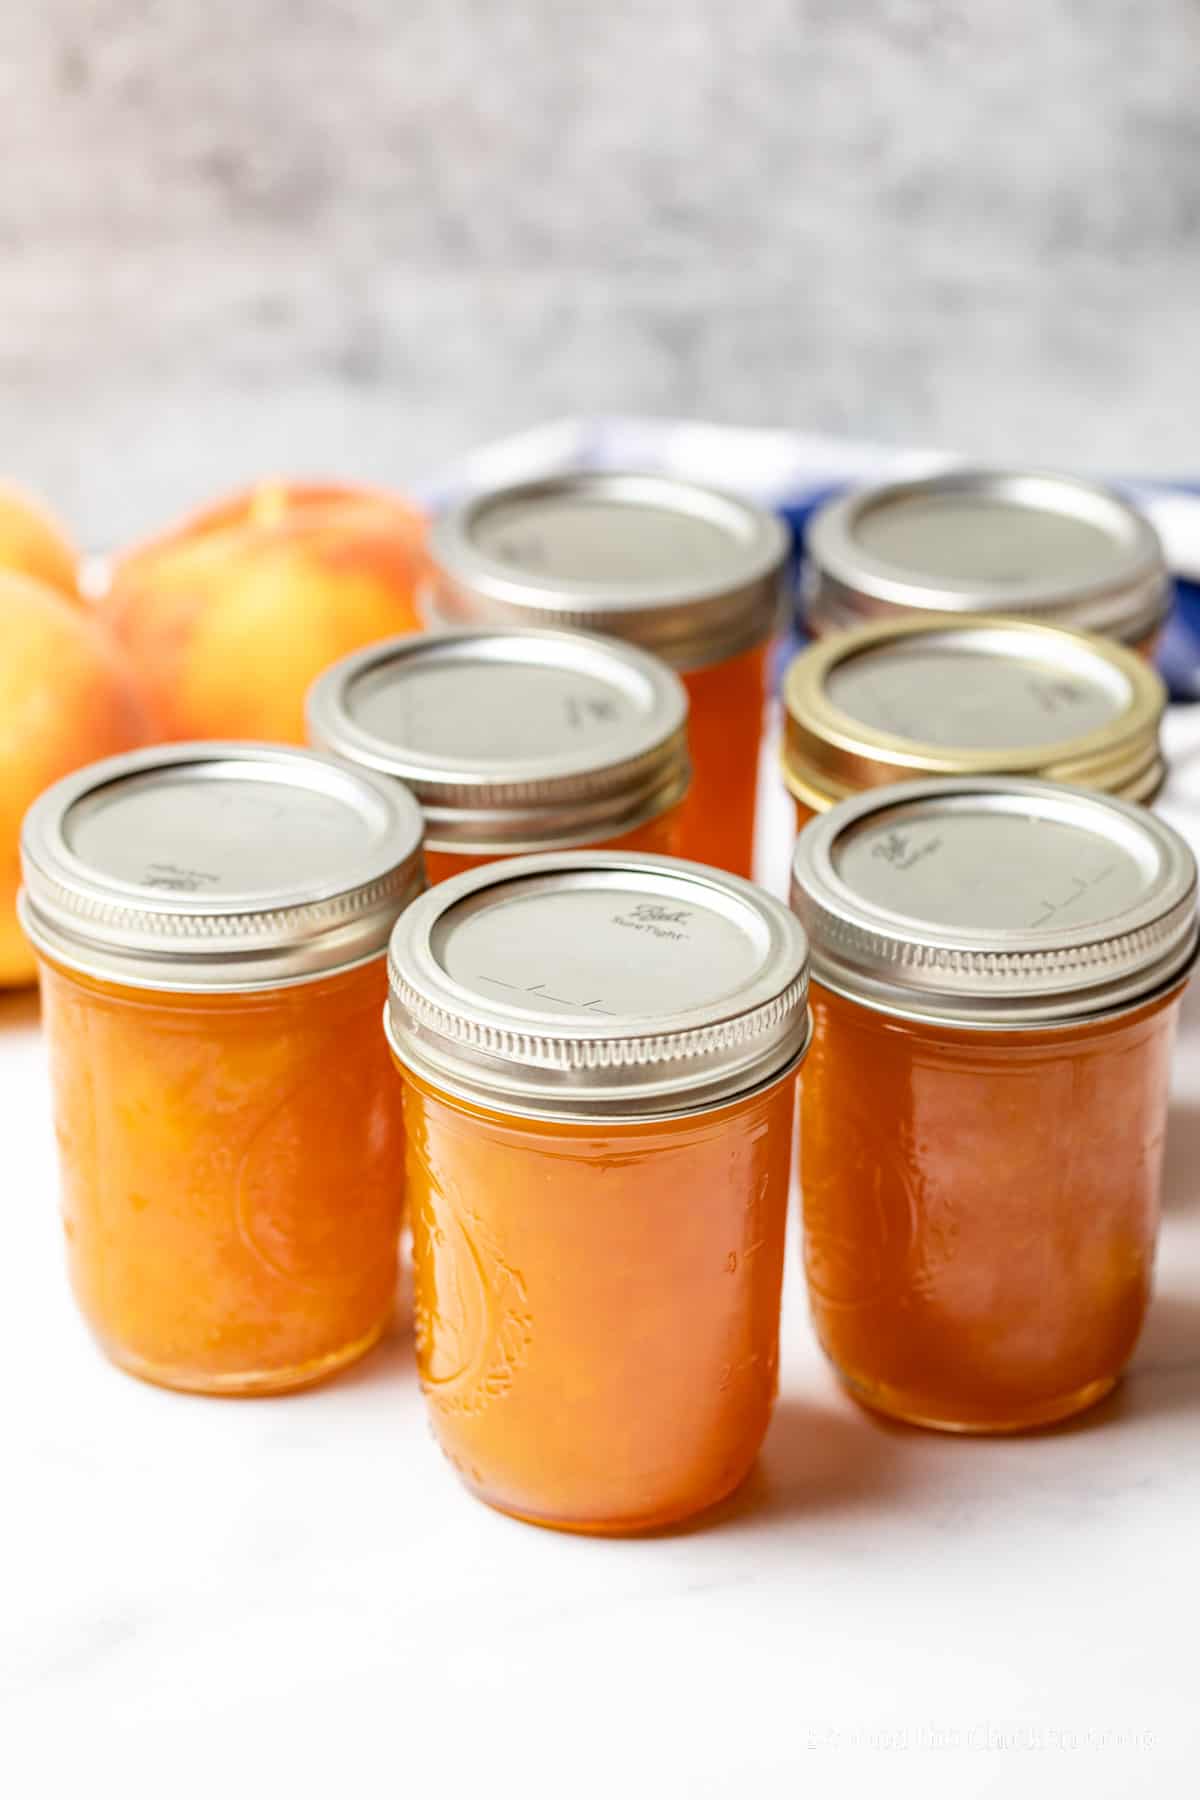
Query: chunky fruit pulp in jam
point(598, 1305)
point(981, 1207)
point(231, 1175)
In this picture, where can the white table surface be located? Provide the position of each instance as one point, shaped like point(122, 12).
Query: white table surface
point(294, 1597)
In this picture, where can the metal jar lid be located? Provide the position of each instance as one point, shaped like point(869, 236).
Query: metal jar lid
point(598, 987)
point(682, 570)
point(967, 696)
point(512, 740)
point(994, 903)
point(988, 541)
point(218, 867)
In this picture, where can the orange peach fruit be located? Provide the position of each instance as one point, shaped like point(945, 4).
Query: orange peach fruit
point(230, 617)
point(33, 544)
point(66, 698)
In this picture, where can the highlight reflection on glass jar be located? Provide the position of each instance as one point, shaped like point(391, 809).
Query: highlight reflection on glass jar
point(997, 967)
point(681, 570)
point(211, 923)
point(515, 742)
point(599, 1058)
point(986, 541)
point(963, 696)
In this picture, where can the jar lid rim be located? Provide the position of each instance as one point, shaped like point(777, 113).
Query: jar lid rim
point(573, 738)
point(218, 866)
point(994, 901)
point(660, 984)
point(703, 610)
point(835, 746)
point(1126, 595)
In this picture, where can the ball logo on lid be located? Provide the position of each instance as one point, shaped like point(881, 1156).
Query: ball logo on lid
point(172, 878)
point(898, 850)
point(661, 921)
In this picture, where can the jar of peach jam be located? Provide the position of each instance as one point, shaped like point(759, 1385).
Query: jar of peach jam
point(515, 742)
point(963, 696)
point(211, 922)
point(599, 1058)
point(689, 573)
point(997, 968)
point(984, 541)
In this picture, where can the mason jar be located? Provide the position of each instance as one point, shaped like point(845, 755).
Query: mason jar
point(599, 1057)
point(969, 696)
point(997, 970)
point(980, 541)
point(684, 571)
point(211, 922)
point(515, 742)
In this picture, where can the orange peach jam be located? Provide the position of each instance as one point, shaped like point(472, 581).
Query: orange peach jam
point(599, 1056)
point(998, 967)
point(728, 701)
point(981, 1209)
point(515, 741)
point(229, 1186)
point(625, 1275)
point(680, 569)
point(210, 922)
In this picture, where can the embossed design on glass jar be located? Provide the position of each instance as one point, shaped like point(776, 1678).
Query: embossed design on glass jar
point(855, 1258)
point(332, 1249)
point(473, 1326)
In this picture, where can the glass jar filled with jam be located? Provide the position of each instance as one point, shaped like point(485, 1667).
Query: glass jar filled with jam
point(969, 696)
point(689, 573)
point(211, 922)
point(515, 742)
point(997, 969)
point(599, 1056)
point(981, 541)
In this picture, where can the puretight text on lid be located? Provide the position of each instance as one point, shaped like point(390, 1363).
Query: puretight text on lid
point(686, 571)
point(590, 986)
point(218, 867)
point(970, 696)
point(994, 902)
point(512, 740)
point(1066, 551)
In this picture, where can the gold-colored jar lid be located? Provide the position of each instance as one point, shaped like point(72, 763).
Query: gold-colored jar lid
point(965, 696)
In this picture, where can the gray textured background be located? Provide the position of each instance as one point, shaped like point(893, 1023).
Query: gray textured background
point(363, 235)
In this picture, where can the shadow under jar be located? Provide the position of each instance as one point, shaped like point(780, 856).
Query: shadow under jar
point(599, 1057)
point(997, 967)
point(963, 696)
point(684, 571)
point(211, 922)
point(515, 742)
point(983, 541)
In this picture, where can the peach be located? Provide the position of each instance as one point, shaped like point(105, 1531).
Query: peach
point(66, 698)
point(229, 617)
point(33, 544)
